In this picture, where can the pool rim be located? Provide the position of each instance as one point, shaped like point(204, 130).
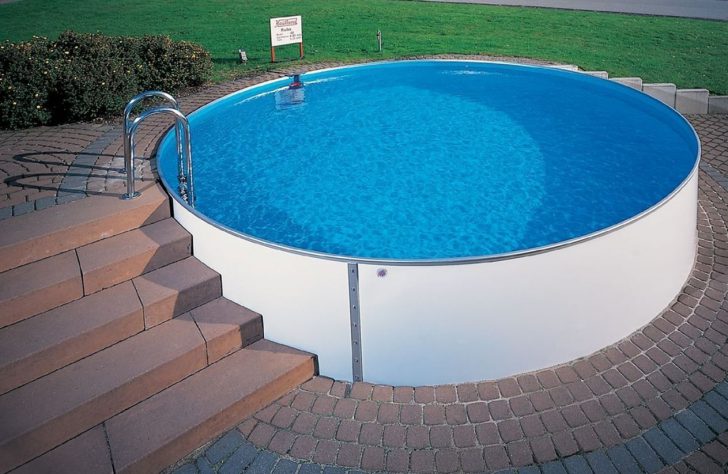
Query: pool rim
point(436, 261)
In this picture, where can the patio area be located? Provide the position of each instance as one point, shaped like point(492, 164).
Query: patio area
point(655, 401)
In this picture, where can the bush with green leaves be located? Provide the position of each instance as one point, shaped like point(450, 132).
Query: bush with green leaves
point(84, 76)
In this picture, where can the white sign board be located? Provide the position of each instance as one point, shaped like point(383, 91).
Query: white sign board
point(286, 30)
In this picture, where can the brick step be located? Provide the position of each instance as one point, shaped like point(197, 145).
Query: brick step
point(157, 432)
point(41, 234)
point(176, 289)
point(45, 413)
point(227, 391)
point(46, 284)
point(226, 327)
point(46, 323)
point(108, 262)
point(87, 453)
point(39, 345)
point(50, 410)
point(39, 286)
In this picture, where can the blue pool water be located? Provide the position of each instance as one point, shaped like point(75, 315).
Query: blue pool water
point(433, 159)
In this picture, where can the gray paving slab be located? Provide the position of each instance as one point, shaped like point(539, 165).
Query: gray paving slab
point(310, 469)
point(224, 446)
point(600, 463)
point(285, 466)
point(334, 470)
point(42, 203)
point(204, 466)
point(711, 417)
point(697, 427)
point(623, 460)
point(239, 460)
point(718, 403)
point(577, 465)
point(64, 198)
point(663, 446)
point(553, 467)
point(188, 468)
point(263, 463)
point(23, 208)
point(722, 388)
point(679, 435)
point(645, 455)
point(529, 470)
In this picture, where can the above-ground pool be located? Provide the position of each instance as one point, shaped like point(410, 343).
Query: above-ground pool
point(424, 222)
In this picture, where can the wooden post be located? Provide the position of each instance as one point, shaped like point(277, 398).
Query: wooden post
point(300, 50)
point(272, 54)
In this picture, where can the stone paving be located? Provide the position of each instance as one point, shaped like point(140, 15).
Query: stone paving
point(45, 166)
point(657, 400)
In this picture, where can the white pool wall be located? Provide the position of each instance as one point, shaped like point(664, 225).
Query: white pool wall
point(436, 324)
point(424, 325)
point(304, 300)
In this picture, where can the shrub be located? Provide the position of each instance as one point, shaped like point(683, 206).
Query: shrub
point(169, 65)
point(27, 76)
point(83, 76)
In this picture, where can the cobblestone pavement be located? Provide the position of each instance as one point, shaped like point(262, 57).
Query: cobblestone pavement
point(45, 166)
point(657, 400)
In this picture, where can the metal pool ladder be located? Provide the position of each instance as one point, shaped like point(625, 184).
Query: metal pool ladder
point(182, 134)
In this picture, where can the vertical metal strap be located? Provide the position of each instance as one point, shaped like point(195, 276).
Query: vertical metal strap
point(355, 317)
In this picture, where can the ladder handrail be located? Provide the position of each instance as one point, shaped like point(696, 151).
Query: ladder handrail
point(134, 101)
point(144, 95)
point(182, 134)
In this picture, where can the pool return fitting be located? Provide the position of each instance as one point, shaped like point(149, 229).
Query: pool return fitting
point(182, 134)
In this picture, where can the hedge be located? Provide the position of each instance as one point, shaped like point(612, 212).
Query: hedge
point(85, 76)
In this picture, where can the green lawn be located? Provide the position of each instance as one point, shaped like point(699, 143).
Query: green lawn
point(690, 53)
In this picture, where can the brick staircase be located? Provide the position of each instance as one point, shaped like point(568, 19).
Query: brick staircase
point(118, 352)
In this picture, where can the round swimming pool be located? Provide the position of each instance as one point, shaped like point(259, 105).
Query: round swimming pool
point(428, 218)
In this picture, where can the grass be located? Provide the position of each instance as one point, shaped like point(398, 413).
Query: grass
point(690, 53)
